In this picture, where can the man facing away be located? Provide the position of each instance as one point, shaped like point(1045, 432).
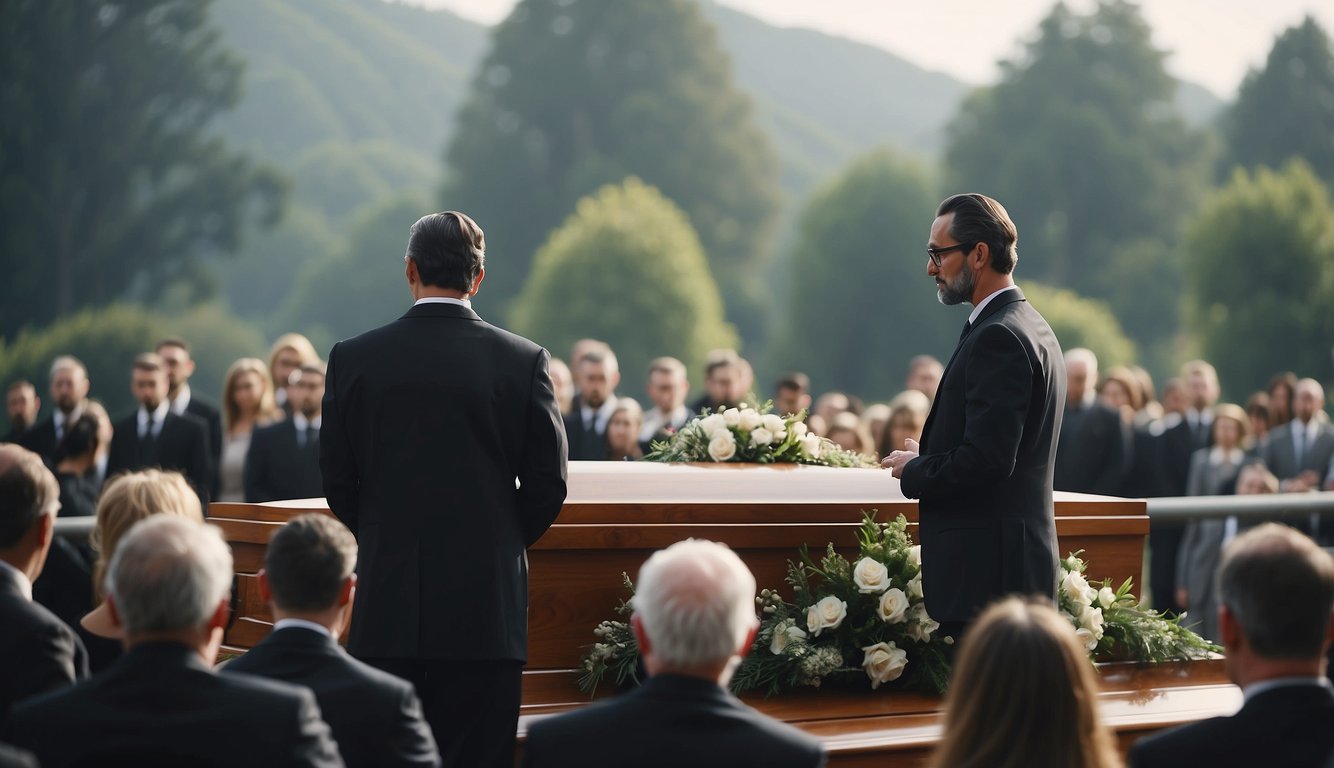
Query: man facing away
point(694, 620)
point(983, 472)
point(38, 652)
point(1276, 592)
point(307, 579)
point(442, 449)
point(168, 590)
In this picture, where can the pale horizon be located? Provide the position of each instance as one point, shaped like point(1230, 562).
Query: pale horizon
point(1212, 43)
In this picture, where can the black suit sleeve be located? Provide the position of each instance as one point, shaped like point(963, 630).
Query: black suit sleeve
point(1114, 435)
point(312, 742)
point(342, 482)
point(542, 471)
point(53, 659)
point(255, 471)
point(200, 467)
point(998, 382)
point(411, 742)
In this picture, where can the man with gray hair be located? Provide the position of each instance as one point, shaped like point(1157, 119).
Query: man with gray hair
point(38, 652)
point(1276, 592)
point(168, 589)
point(694, 619)
point(308, 580)
point(1093, 450)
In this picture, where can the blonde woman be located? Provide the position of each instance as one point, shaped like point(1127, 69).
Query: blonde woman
point(1023, 693)
point(247, 402)
point(288, 354)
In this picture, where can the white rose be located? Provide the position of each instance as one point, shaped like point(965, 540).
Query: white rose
point(732, 417)
point(1106, 597)
point(1071, 563)
point(810, 445)
point(826, 614)
point(915, 555)
point(799, 429)
point(893, 606)
point(761, 437)
point(921, 631)
point(774, 423)
point(870, 575)
point(749, 419)
point(1087, 638)
point(1091, 619)
point(884, 662)
point(915, 588)
point(722, 447)
point(710, 425)
point(781, 639)
point(1076, 587)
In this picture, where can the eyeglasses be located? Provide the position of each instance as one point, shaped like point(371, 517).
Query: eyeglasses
point(936, 253)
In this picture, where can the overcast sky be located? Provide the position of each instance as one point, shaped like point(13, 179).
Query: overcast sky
point(1212, 42)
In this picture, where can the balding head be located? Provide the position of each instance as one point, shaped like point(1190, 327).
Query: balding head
point(1081, 370)
point(29, 501)
point(170, 575)
point(695, 603)
point(1308, 398)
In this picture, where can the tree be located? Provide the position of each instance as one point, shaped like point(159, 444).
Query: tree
point(109, 176)
point(861, 303)
point(1260, 277)
point(573, 96)
point(1297, 83)
point(626, 268)
point(1081, 142)
point(1082, 322)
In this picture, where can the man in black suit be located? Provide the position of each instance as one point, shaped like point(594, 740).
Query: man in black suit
point(153, 436)
point(1276, 591)
point(1093, 453)
point(376, 718)
point(983, 471)
point(694, 619)
point(727, 379)
point(284, 458)
point(38, 652)
point(162, 704)
point(596, 375)
point(21, 406)
point(175, 354)
point(442, 449)
point(69, 395)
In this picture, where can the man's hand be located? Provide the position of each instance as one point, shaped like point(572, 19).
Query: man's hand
point(897, 459)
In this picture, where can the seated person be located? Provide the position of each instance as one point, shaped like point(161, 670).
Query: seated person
point(694, 619)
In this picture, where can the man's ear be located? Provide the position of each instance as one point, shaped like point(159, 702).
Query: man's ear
point(1229, 629)
point(265, 591)
point(46, 525)
point(115, 614)
point(219, 618)
point(981, 256)
point(347, 590)
point(750, 641)
point(477, 284)
point(410, 271)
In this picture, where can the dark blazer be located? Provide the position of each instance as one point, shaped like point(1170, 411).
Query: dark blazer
point(16, 758)
point(277, 467)
point(162, 705)
point(586, 443)
point(671, 721)
point(376, 718)
point(1292, 726)
point(1176, 446)
point(1093, 453)
point(428, 424)
point(212, 418)
point(182, 445)
point(38, 651)
point(1280, 455)
point(40, 438)
point(984, 476)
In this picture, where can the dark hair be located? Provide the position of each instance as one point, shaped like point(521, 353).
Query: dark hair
point(148, 361)
point(1279, 584)
point(449, 250)
point(307, 561)
point(172, 341)
point(20, 384)
point(794, 380)
point(27, 491)
point(80, 439)
point(980, 219)
point(721, 358)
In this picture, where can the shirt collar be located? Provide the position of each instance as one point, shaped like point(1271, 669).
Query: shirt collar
point(25, 586)
point(601, 415)
point(442, 300)
point(160, 415)
point(983, 303)
point(1264, 686)
point(1217, 456)
point(302, 624)
point(300, 422)
point(182, 400)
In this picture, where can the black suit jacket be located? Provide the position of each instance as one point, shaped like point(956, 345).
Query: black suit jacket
point(182, 445)
point(376, 718)
point(40, 438)
point(984, 476)
point(428, 424)
point(1094, 450)
point(38, 651)
point(586, 443)
point(1291, 727)
point(212, 418)
point(161, 705)
point(671, 721)
point(278, 467)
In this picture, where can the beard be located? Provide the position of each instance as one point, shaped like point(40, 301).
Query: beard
point(958, 290)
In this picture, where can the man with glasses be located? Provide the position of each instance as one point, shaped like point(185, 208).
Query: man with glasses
point(983, 470)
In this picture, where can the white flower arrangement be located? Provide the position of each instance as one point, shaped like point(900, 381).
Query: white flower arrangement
point(754, 435)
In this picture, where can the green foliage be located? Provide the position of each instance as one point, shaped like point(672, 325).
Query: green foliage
point(1286, 109)
point(107, 339)
point(1260, 277)
point(261, 282)
point(1082, 322)
point(1082, 143)
point(861, 304)
point(626, 268)
point(573, 96)
point(109, 176)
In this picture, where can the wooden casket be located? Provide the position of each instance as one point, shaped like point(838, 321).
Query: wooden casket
point(616, 514)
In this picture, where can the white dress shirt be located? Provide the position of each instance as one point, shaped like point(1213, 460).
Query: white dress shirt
point(600, 417)
point(442, 300)
point(303, 624)
point(159, 416)
point(981, 305)
point(301, 423)
point(655, 420)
